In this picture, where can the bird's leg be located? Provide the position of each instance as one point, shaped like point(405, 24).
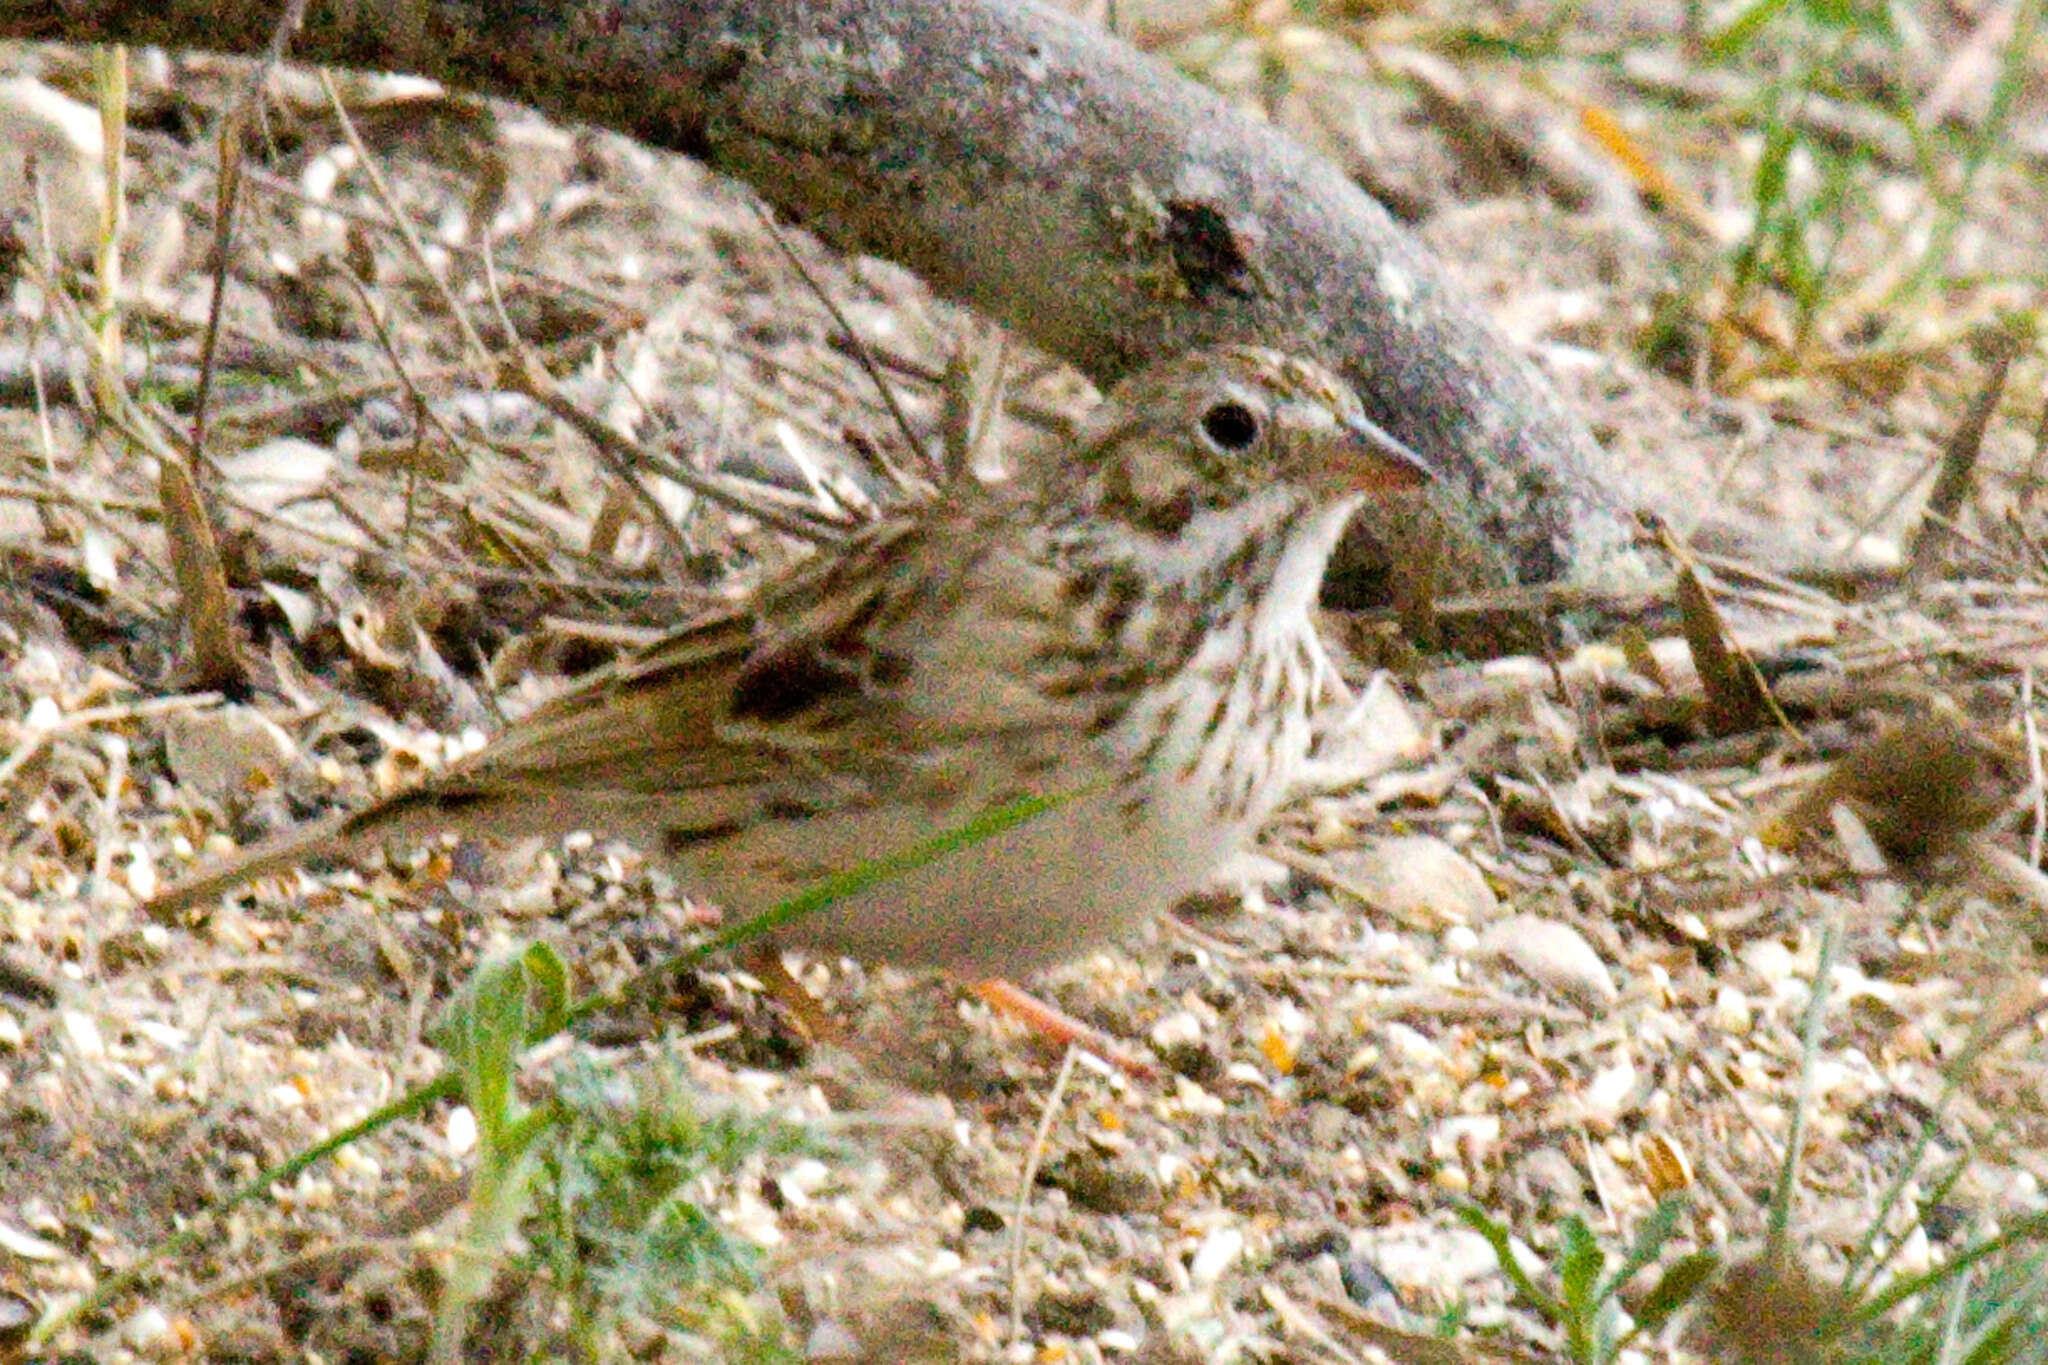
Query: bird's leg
point(1048, 1021)
point(1056, 1024)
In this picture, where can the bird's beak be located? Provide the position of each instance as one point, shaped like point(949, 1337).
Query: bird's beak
point(1365, 458)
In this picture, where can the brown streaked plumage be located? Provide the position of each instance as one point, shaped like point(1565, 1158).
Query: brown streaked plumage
point(1137, 630)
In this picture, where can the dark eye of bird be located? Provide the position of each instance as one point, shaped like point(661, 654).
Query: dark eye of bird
point(1230, 426)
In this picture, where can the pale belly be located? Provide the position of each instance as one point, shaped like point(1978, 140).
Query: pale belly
point(1048, 889)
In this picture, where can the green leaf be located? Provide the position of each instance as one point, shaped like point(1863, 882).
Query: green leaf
point(1831, 14)
point(1773, 168)
point(548, 992)
point(1676, 1288)
point(1651, 1235)
point(1795, 265)
point(513, 1000)
point(1579, 1260)
point(1743, 29)
point(488, 1023)
point(1852, 16)
point(1496, 1235)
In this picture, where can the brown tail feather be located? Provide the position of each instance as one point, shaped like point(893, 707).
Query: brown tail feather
point(451, 802)
point(284, 852)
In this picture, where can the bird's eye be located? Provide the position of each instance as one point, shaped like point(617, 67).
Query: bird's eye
point(1230, 426)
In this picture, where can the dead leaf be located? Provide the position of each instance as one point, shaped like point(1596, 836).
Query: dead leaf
point(202, 583)
point(1553, 955)
point(1419, 881)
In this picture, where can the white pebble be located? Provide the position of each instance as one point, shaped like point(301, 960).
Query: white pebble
point(84, 1035)
point(1732, 1012)
point(1219, 1251)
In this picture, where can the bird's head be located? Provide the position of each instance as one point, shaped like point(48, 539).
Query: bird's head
point(1209, 430)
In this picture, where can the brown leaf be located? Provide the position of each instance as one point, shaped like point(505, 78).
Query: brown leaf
point(1735, 699)
point(1922, 787)
point(1769, 1311)
point(202, 584)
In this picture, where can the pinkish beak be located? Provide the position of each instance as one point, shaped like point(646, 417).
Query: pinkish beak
point(1368, 459)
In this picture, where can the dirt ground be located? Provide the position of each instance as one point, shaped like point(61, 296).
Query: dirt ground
point(1534, 943)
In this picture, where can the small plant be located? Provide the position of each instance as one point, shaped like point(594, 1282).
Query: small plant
point(607, 1179)
point(1829, 137)
point(1986, 1304)
point(512, 1001)
point(1587, 1307)
point(621, 1221)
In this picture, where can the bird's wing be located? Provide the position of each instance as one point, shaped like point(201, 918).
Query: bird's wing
point(951, 631)
point(653, 725)
point(859, 672)
point(883, 664)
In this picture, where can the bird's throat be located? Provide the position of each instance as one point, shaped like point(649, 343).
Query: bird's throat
point(1287, 605)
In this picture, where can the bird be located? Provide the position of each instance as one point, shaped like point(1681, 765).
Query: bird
point(1128, 641)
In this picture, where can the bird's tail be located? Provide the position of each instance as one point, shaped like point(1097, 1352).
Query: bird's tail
point(272, 856)
point(453, 801)
point(422, 812)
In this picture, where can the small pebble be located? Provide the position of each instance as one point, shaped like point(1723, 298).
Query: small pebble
point(1219, 1251)
point(1732, 1012)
